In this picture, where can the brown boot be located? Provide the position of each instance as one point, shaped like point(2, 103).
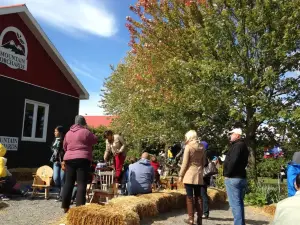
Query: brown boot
point(199, 209)
point(190, 210)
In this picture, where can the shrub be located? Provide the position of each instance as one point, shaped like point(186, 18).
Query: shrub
point(220, 182)
point(270, 167)
point(260, 194)
point(99, 148)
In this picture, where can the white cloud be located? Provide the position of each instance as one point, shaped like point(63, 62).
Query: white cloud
point(73, 16)
point(91, 106)
point(83, 70)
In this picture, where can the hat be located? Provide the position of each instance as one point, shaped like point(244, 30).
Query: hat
point(205, 144)
point(236, 131)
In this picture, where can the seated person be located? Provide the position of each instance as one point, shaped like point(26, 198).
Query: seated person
point(155, 165)
point(101, 164)
point(124, 176)
point(287, 210)
point(140, 176)
point(7, 181)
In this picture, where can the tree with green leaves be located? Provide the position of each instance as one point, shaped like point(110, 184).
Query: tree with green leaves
point(207, 65)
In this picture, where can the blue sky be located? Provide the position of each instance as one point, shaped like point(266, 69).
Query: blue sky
point(89, 34)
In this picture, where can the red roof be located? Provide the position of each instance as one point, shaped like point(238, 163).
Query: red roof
point(97, 121)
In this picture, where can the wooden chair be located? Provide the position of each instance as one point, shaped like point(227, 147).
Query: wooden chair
point(106, 189)
point(42, 179)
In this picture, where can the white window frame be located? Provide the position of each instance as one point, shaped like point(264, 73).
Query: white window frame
point(35, 111)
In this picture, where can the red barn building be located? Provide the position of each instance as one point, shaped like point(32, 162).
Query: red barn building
point(38, 90)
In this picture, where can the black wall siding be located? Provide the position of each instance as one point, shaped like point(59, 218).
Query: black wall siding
point(62, 111)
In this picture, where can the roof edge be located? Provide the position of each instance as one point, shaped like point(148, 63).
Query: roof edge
point(22, 8)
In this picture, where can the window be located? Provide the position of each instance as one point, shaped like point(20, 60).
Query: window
point(35, 121)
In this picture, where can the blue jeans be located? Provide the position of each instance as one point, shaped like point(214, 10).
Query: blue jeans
point(58, 176)
point(204, 197)
point(236, 188)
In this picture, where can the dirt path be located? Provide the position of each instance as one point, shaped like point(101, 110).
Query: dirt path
point(221, 216)
point(42, 212)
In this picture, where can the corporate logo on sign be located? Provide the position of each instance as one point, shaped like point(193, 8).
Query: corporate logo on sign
point(13, 48)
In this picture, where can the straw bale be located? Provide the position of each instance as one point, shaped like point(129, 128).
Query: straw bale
point(180, 185)
point(95, 214)
point(270, 209)
point(216, 195)
point(164, 201)
point(143, 207)
point(178, 198)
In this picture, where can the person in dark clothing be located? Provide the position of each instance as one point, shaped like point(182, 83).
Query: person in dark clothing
point(282, 174)
point(235, 165)
point(206, 182)
point(57, 158)
point(78, 159)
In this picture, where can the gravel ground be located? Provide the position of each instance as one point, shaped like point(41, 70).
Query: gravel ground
point(220, 216)
point(40, 211)
point(23, 211)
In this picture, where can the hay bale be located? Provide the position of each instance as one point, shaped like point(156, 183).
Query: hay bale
point(270, 209)
point(164, 201)
point(95, 214)
point(216, 196)
point(143, 207)
point(180, 185)
point(178, 199)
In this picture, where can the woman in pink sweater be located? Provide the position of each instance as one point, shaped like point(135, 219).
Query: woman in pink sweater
point(78, 144)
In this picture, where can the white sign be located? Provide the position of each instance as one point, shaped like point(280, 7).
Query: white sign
point(13, 48)
point(10, 143)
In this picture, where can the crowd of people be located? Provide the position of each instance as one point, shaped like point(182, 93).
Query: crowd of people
point(72, 160)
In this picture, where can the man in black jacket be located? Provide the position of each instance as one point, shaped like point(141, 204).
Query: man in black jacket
point(235, 175)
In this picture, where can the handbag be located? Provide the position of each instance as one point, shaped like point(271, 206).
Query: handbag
point(210, 170)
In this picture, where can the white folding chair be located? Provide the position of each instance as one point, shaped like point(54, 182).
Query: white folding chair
point(106, 189)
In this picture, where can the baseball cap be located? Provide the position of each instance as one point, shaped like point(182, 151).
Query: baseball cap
point(236, 131)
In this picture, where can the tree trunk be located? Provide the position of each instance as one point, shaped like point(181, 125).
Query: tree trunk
point(251, 127)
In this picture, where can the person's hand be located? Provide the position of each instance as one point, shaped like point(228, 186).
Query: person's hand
point(179, 179)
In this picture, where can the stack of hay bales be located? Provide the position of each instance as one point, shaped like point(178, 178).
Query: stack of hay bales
point(95, 214)
point(128, 210)
point(142, 206)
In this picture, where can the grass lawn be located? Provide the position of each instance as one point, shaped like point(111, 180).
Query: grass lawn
point(267, 180)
